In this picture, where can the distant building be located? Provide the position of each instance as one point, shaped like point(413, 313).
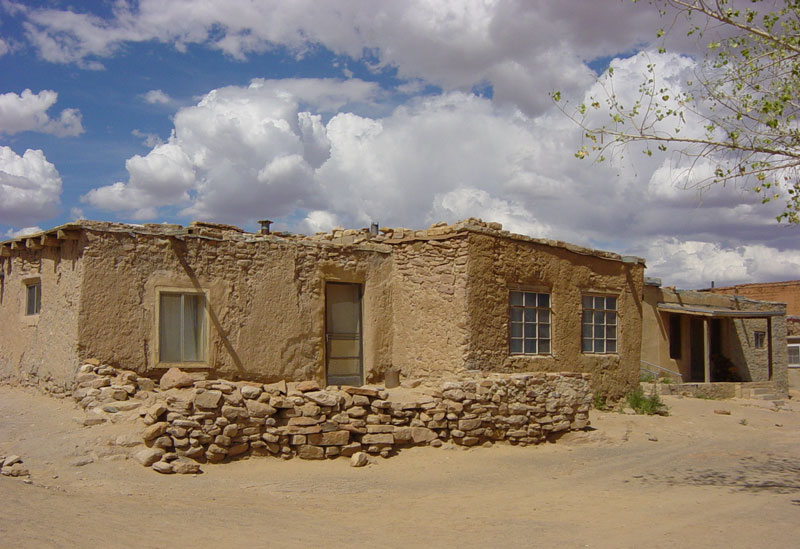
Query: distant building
point(702, 337)
point(787, 292)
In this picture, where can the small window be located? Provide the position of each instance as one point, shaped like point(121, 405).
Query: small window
point(794, 355)
point(33, 298)
point(599, 324)
point(674, 336)
point(758, 339)
point(529, 324)
point(181, 327)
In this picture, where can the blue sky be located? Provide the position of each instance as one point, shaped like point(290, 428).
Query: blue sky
point(318, 114)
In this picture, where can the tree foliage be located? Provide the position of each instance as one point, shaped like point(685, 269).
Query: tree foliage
point(745, 91)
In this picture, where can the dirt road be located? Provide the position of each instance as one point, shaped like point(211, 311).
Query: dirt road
point(695, 478)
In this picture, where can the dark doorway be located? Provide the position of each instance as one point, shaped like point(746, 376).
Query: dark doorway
point(697, 363)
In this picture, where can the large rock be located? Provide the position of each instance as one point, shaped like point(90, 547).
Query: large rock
point(307, 451)
point(332, 438)
point(422, 434)
point(259, 409)
point(184, 466)
point(306, 386)
point(378, 438)
point(249, 391)
point(359, 459)
point(175, 378)
point(365, 391)
point(208, 399)
point(163, 467)
point(148, 456)
point(155, 430)
point(323, 398)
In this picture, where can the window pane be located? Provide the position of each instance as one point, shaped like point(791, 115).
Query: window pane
point(587, 301)
point(599, 302)
point(516, 298)
point(599, 332)
point(611, 318)
point(794, 354)
point(586, 346)
point(611, 303)
point(598, 346)
point(169, 330)
point(544, 346)
point(611, 332)
point(193, 328)
point(544, 316)
point(587, 317)
point(516, 314)
point(586, 331)
point(516, 329)
point(33, 299)
point(544, 300)
point(530, 330)
point(599, 317)
point(544, 331)
point(530, 315)
point(516, 345)
point(611, 346)
point(530, 346)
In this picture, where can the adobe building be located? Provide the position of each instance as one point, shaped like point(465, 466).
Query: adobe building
point(340, 308)
point(787, 292)
point(697, 337)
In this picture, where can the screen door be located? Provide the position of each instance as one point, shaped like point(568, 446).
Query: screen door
point(343, 333)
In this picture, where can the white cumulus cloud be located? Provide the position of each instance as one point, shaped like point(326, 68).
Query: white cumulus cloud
point(28, 112)
point(30, 188)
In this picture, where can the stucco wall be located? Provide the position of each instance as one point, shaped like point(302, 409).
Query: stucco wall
point(42, 345)
point(430, 323)
point(498, 265)
point(265, 302)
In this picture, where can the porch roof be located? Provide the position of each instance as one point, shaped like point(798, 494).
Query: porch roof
point(715, 312)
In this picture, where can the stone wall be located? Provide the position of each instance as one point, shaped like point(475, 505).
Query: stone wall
point(215, 420)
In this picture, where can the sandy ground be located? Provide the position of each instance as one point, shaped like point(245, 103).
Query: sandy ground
point(695, 478)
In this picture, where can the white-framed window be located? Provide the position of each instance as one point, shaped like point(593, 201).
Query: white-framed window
point(181, 326)
point(33, 297)
point(793, 350)
point(759, 338)
point(529, 323)
point(599, 324)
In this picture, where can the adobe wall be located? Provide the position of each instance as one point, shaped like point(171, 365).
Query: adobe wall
point(429, 319)
point(265, 301)
point(500, 264)
point(43, 345)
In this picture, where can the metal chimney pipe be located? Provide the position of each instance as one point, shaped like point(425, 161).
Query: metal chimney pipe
point(265, 223)
point(373, 229)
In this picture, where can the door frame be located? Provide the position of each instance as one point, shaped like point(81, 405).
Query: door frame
point(360, 335)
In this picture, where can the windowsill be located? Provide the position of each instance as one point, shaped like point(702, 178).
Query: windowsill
point(599, 354)
point(182, 365)
point(523, 355)
point(30, 320)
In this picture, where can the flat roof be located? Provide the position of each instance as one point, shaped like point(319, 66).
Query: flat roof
point(716, 312)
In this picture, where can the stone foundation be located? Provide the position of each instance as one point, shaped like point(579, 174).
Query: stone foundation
point(216, 420)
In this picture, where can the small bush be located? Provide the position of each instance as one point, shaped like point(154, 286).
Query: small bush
point(600, 403)
point(646, 404)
